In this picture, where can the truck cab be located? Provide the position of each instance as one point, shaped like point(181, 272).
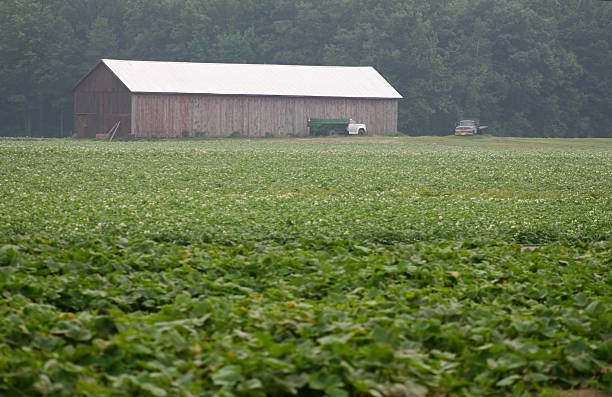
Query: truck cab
point(356, 129)
point(466, 127)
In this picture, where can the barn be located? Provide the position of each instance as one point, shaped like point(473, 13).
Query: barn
point(172, 99)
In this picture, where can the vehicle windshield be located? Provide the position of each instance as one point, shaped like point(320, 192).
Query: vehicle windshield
point(467, 122)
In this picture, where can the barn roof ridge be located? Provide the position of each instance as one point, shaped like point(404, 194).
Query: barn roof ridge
point(235, 63)
point(175, 77)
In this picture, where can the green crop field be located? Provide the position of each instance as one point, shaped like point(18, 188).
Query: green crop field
point(362, 266)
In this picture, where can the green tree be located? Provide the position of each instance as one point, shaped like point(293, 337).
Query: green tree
point(32, 50)
point(168, 30)
point(585, 32)
point(101, 41)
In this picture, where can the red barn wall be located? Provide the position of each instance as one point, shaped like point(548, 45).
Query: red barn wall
point(167, 115)
point(100, 100)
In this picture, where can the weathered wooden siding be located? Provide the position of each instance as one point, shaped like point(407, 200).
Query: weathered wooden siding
point(100, 100)
point(221, 115)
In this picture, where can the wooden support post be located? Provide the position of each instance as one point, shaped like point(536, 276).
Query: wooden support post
point(114, 130)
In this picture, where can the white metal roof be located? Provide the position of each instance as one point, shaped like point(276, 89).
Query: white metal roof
point(248, 79)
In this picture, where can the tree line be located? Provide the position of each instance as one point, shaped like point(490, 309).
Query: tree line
point(524, 67)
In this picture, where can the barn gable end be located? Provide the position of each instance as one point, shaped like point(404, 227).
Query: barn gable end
point(100, 101)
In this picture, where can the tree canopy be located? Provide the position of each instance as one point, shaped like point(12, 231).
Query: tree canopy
point(524, 67)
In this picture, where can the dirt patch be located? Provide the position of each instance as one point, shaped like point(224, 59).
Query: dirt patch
point(453, 141)
point(351, 140)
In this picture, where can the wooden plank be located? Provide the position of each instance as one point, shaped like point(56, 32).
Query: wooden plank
point(115, 128)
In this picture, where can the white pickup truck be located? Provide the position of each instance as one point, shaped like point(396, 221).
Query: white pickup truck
point(356, 129)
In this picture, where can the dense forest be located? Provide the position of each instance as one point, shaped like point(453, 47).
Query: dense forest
point(524, 67)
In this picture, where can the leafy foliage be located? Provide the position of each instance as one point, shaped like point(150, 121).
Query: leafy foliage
point(525, 67)
point(396, 267)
